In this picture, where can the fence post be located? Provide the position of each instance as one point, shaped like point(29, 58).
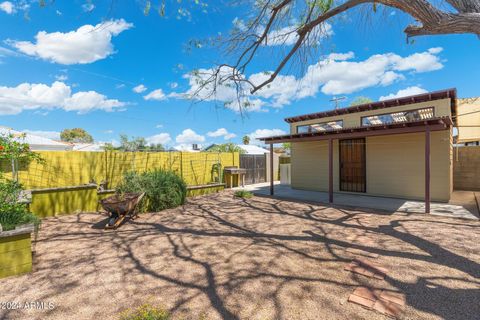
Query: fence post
point(181, 164)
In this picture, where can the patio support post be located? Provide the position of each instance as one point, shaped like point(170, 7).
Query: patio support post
point(330, 170)
point(427, 169)
point(271, 169)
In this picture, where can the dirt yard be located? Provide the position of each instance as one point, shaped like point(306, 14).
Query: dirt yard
point(225, 258)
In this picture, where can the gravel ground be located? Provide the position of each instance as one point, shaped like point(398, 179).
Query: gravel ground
point(225, 258)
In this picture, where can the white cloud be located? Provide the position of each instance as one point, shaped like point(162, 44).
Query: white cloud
point(229, 136)
point(61, 77)
point(436, 50)
point(161, 138)
point(188, 136)
point(410, 91)
point(27, 96)
point(156, 95)
point(88, 7)
point(140, 88)
point(158, 126)
point(341, 56)
point(54, 135)
point(84, 102)
point(260, 133)
point(7, 7)
point(87, 44)
point(221, 132)
point(288, 36)
point(419, 62)
point(336, 74)
point(217, 133)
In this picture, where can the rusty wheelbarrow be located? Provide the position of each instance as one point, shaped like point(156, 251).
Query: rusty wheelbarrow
point(121, 206)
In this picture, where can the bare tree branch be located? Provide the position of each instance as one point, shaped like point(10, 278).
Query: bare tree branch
point(430, 20)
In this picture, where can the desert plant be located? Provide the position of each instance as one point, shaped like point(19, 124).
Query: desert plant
point(145, 312)
point(163, 189)
point(243, 194)
point(12, 213)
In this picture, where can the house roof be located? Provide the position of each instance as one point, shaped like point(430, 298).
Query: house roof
point(252, 149)
point(430, 96)
point(91, 147)
point(434, 124)
point(35, 142)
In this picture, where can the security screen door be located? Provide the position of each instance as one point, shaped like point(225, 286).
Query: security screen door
point(352, 165)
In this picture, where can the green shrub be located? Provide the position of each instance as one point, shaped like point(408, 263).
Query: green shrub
point(163, 189)
point(145, 312)
point(243, 194)
point(12, 213)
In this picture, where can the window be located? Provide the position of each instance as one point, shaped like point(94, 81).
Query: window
point(319, 127)
point(396, 117)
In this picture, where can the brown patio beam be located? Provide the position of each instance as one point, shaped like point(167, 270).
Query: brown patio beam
point(427, 169)
point(271, 170)
point(368, 132)
point(330, 170)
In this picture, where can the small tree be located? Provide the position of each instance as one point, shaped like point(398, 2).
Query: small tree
point(156, 147)
point(246, 140)
point(135, 144)
point(226, 147)
point(360, 100)
point(76, 135)
point(14, 151)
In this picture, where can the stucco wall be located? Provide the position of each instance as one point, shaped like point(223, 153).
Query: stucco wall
point(395, 165)
point(310, 165)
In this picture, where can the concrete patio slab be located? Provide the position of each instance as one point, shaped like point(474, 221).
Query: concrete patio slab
point(462, 204)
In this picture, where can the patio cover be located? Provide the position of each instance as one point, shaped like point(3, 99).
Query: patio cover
point(434, 124)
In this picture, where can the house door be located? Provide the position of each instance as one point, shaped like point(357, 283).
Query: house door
point(352, 165)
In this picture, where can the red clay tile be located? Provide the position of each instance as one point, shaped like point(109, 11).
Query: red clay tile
point(361, 301)
point(388, 308)
point(366, 293)
point(395, 297)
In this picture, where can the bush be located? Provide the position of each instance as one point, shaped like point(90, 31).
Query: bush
point(243, 194)
point(12, 213)
point(163, 189)
point(146, 312)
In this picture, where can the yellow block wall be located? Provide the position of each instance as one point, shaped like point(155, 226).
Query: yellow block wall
point(71, 168)
point(15, 255)
point(395, 165)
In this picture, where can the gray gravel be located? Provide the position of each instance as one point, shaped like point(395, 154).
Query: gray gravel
point(225, 258)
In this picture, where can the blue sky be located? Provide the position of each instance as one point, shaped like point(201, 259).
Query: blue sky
point(76, 65)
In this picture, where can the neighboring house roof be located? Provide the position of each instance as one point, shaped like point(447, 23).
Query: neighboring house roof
point(252, 149)
point(92, 147)
point(187, 147)
point(248, 148)
point(430, 96)
point(37, 143)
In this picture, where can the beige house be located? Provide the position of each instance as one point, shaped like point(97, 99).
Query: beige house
point(395, 148)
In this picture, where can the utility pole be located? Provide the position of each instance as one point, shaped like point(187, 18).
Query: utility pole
point(336, 100)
